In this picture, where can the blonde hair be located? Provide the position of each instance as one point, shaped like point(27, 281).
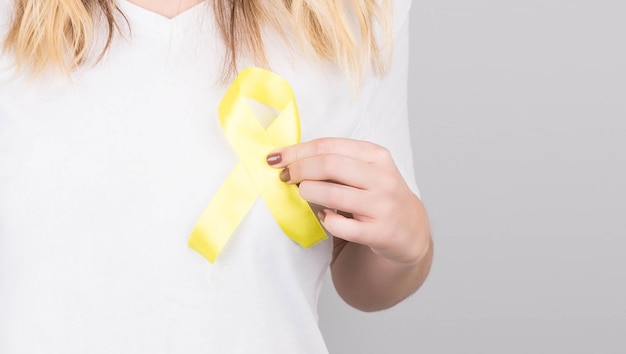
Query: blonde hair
point(58, 34)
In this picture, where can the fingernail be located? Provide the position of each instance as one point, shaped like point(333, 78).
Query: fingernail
point(321, 215)
point(284, 175)
point(273, 159)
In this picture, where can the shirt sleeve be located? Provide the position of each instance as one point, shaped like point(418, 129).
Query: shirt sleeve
point(384, 101)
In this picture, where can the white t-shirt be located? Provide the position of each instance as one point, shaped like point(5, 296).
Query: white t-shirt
point(102, 179)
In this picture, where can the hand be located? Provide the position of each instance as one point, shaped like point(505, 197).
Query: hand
point(364, 197)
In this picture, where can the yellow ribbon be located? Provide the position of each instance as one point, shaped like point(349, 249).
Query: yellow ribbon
point(252, 176)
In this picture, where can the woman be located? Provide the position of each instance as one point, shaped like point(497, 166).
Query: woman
point(105, 170)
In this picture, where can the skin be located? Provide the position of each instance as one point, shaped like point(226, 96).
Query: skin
point(167, 8)
point(382, 245)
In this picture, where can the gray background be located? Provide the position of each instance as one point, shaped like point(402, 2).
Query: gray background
point(519, 130)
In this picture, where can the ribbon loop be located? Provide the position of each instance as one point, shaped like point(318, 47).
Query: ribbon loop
point(252, 176)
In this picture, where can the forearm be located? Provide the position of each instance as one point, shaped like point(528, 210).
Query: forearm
point(370, 282)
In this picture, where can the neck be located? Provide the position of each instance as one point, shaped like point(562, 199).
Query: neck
point(167, 8)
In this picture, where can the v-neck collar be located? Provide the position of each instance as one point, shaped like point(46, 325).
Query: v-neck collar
point(160, 24)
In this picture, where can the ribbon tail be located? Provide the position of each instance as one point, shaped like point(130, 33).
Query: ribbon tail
point(226, 210)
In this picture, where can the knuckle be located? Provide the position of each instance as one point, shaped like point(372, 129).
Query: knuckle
point(330, 164)
point(335, 197)
point(324, 146)
point(386, 207)
point(295, 172)
point(295, 153)
point(381, 153)
point(392, 185)
point(387, 183)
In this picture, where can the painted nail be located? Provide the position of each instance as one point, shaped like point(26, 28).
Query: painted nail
point(321, 215)
point(284, 175)
point(274, 159)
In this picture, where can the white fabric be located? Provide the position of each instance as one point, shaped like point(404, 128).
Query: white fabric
point(127, 154)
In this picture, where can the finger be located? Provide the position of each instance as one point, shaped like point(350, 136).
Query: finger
point(357, 149)
point(345, 228)
point(337, 196)
point(331, 167)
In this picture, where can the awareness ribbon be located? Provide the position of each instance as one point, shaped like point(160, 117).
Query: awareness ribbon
point(252, 176)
